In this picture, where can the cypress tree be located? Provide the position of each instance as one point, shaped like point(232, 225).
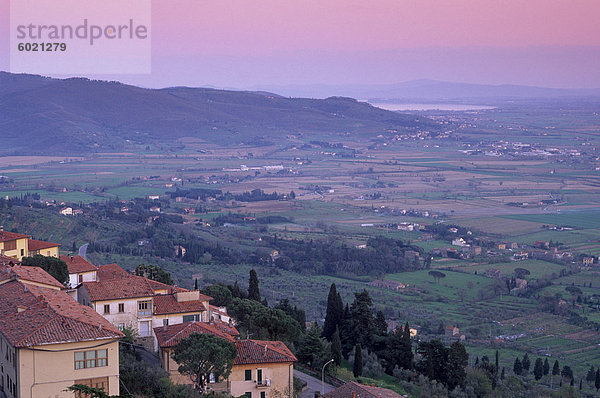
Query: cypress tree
point(502, 374)
point(334, 314)
point(517, 367)
point(538, 369)
point(546, 367)
point(357, 368)
point(556, 368)
point(526, 362)
point(591, 374)
point(336, 347)
point(597, 380)
point(253, 292)
point(497, 360)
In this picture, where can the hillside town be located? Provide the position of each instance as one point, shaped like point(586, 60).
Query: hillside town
point(55, 335)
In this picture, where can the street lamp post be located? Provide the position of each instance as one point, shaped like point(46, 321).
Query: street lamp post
point(323, 377)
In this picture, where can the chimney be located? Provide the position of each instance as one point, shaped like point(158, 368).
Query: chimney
point(1, 228)
point(99, 326)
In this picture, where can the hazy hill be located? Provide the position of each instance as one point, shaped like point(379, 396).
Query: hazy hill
point(430, 90)
point(73, 115)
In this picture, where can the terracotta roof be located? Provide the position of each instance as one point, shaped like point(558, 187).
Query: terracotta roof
point(32, 315)
point(225, 327)
point(78, 264)
point(259, 351)
point(163, 286)
point(112, 289)
point(168, 304)
point(35, 245)
point(111, 271)
point(8, 261)
point(169, 336)
point(356, 390)
point(29, 274)
point(8, 236)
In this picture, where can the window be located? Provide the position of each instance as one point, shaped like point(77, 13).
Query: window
point(248, 394)
point(248, 374)
point(91, 359)
point(22, 252)
point(107, 308)
point(144, 308)
point(80, 278)
point(165, 322)
point(121, 326)
point(190, 318)
point(145, 329)
point(211, 378)
point(99, 382)
point(121, 307)
point(259, 376)
point(263, 394)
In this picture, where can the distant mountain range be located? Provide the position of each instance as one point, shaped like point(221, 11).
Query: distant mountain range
point(429, 90)
point(45, 115)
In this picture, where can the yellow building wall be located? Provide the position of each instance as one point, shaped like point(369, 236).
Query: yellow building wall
point(18, 253)
point(44, 374)
point(49, 252)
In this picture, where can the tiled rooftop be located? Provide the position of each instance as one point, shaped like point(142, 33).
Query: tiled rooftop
point(356, 390)
point(168, 304)
point(169, 336)
point(32, 315)
point(28, 274)
point(260, 351)
point(35, 245)
point(8, 236)
point(78, 264)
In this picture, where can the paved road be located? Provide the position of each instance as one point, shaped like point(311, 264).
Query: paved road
point(83, 250)
point(312, 384)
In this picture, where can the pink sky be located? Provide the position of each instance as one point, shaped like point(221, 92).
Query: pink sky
point(247, 42)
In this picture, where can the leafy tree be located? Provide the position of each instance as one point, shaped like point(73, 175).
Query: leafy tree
point(526, 362)
point(334, 314)
point(362, 320)
point(297, 313)
point(201, 355)
point(556, 368)
point(253, 292)
point(521, 272)
point(221, 295)
point(91, 392)
point(336, 347)
point(591, 374)
point(458, 359)
point(313, 348)
point(437, 275)
point(54, 266)
point(154, 272)
point(263, 322)
point(567, 372)
point(517, 367)
point(434, 362)
point(538, 369)
point(379, 324)
point(357, 368)
point(546, 367)
point(399, 349)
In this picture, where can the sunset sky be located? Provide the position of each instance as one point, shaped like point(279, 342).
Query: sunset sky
point(248, 43)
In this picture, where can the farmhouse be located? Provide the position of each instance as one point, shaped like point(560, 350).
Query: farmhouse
point(587, 261)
